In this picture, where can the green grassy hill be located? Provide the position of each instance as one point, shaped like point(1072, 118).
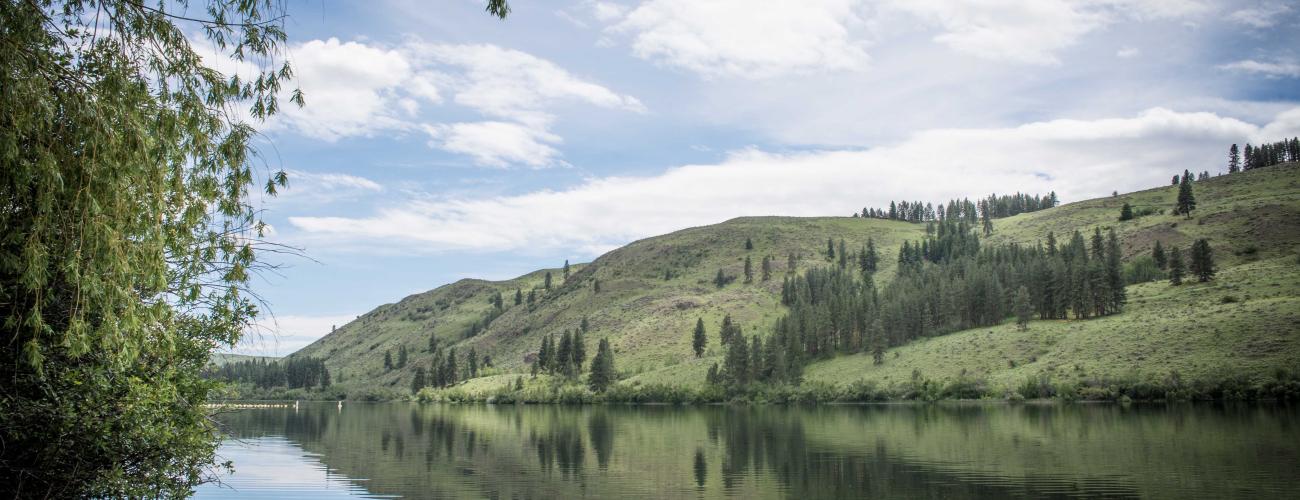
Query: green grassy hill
point(652, 291)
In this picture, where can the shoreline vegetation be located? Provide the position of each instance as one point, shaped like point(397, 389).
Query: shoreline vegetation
point(1283, 385)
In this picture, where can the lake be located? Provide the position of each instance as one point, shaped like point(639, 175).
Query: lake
point(879, 451)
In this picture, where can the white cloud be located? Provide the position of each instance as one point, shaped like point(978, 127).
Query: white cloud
point(350, 89)
point(1262, 16)
point(1032, 32)
point(1076, 158)
point(1269, 69)
point(511, 84)
point(738, 38)
point(355, 89)
point(282, 335)
point(317, 188)
point(497, 144)
point(1128, 52)
point(748, 39)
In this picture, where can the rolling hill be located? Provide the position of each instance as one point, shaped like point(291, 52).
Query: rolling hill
point(1243, 324)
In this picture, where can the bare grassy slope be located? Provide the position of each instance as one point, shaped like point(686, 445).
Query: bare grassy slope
point(653, 290)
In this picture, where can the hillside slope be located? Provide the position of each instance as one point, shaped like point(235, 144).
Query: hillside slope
point(652, 291)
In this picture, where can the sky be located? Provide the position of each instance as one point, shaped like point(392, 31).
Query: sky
point(440, 143)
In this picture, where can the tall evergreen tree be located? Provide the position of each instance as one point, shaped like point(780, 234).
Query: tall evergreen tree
point(595, 286)
point(1202, 265)
point(1176, 269)
point(720, 280)
point(519, 296)
point(546, 281)
point(473, 362)
point(830, 249)
point(579, 349)
point(1186, 199)
point(1115, 274)
point(749, 244)
point(749, 270)
point(699, 340)
point(791, 263)
point(401, 357)
point(727, 331)
point(1126, 212)
point(602, 367)
point(844, 255)
point(1158, 255)
point(566, 270)
point(1024, 308)
point(388, 360)
point(1234, 160)
point(451, 372)
point(418, 382)
point(767, 267)
point(736, 363)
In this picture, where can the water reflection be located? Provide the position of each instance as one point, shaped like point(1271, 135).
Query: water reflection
point(893, 451)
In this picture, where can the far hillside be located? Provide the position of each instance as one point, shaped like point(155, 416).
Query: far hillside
point(647, 297)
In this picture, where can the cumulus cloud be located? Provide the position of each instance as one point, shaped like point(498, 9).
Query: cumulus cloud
point(359, 89)
point(496, 143)
point(1265, 15)
point(745, 39)
point(1032, 32)
point(1076, 158)
point(516, 88)
point(738, 38)
point(1276, 69)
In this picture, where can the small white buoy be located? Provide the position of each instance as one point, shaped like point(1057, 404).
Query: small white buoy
point(295, 405)
point(340, 405)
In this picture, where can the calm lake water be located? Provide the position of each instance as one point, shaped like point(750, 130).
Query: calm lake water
point(882, 451)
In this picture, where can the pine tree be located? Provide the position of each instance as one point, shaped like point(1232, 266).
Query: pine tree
point(1115, 274)
point(519, 296)
point(1176, 266)
point(844, 255)
point(401, 357)
point(749, 244)
point(699, 340)
point(579, 349)
point(566, 270)
point(545, 353)
point(1024, 309)
point(1126, 212)
point(727, 331)
point(767, 267)
point(564, 356)
point(473, 362)
point(736, 363)
point(532, 298)
point(712, 377)
point(418, 382)
point(1186, 200)
point(720, 280)
point(749, 270)
point(433, 342)
point(585, 326)
point(546, 282)
point(1234, 160)
point(1158, 255)
point(877, 342)
point(451, 370)
point(595, 286)
point(1202, 265)
point(388, 360)
point(830, 249)
point(602, 367)
point(791, 263)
